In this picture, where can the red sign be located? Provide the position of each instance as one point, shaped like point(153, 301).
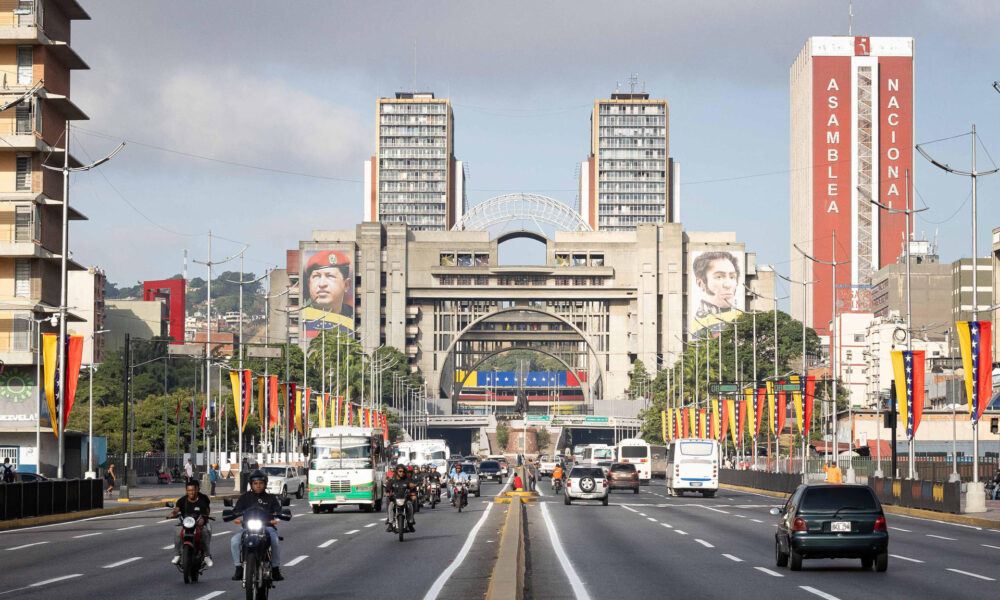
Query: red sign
point(862, 46)
point(895, 150)
point(831, 177)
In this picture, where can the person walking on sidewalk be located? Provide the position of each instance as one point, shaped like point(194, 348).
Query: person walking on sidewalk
point(109, 478)
point(7, 475)
point(188, 470)
point(213, 476)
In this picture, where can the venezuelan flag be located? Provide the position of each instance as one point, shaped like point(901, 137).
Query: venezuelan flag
point(975, 342)
point(908, 370)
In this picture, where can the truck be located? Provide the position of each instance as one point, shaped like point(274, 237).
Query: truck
point(283, 480)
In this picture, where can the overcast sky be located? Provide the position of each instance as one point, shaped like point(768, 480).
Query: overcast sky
point(291, 86)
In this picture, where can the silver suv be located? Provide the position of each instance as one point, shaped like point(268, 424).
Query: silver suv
point(586, 483)
point(472, 471)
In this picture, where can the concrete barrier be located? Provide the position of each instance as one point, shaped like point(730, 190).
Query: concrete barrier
point(507, 580)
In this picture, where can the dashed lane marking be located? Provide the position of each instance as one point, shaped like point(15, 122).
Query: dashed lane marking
point(819, 593)
point(628, 508)
point(680, 532)
point(210, 595)
point(704, 543)
point(642, 514)
point(740, 516)
point(353, 531)
point(667, 525)
point(725, 512)
point(127, 528)
point(122, 562)
point(941, 537)
point(988, 546)
point(326, 544)
point(55, 579)
point(906, 558)
point(370, 525)
point(968, 574)
point(900, 529)
point(296, 560)
point(756, 520)
point(651, 519)
point(87, 535)
point(167, 547)
point(769, 572)
point(27, 545)
point(733, 558)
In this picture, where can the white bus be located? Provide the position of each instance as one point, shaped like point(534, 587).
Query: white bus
point(639, 453)
point(596, 453)
point(423, 452)
point(346, 466)
point(693, 465)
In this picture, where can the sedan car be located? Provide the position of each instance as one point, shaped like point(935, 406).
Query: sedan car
point(831, 521)
point(586, 483)
point(623, 476)
point(489, 470)
point(26, 477)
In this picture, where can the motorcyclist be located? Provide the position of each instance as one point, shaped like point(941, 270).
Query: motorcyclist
point(401, 486)
point(557, 475)
point(194, 503)
point(996, 484)
point(460, 476)
point(258, 496)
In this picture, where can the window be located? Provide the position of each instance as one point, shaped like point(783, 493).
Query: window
point(447, 260)
point(22, 224)
point(597, 260)
point(562, 260)
point(22, 118)
point(24, 65)
point(859, 337)
point(22, 278)
point(36, 107)
point(22, 178)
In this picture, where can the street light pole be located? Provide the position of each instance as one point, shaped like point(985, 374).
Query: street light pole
point(804, 283)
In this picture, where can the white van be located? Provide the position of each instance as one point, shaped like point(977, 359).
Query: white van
point(594, 454)
point(693, 465)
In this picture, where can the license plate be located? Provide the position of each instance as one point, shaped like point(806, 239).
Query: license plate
point(840, 526)
point(341, 498)
point(695, 484)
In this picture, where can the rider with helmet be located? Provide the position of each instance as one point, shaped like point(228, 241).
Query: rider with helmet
point(269, 502)
point(402, 486)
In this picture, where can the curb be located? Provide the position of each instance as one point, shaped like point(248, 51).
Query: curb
point(896, 510)
point(507, 579)
point(139, 504)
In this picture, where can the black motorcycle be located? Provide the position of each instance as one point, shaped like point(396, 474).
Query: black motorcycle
point(255, 547)
point(460, 495)
point(192, 562)
point(433, 493)
point(397, 516)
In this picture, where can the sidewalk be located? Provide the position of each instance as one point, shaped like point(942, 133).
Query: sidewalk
point(171, 491)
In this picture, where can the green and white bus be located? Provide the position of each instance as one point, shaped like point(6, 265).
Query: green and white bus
point(346, 466)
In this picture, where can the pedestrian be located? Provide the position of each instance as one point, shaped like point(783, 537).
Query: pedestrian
point(532, 475)
point(188, 470)
point(833, 473)
point(109, 478)
point(213, 476)
point(8, 471)
point(518, 485)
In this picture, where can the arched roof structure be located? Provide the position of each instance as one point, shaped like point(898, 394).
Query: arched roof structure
point(523, 213)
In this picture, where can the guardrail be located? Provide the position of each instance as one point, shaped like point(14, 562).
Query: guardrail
point(761, 480)
point(52, 497)
point(919, 493)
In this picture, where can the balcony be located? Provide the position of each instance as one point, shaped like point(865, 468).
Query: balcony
point(412, 331)
point(412, 350)
point(412, 312)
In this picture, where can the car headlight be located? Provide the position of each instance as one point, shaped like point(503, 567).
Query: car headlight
point(188, 522)
point(255, 525)
point(365, 487)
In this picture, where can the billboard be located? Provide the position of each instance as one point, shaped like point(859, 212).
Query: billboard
point(715, 290)
point(327, 291)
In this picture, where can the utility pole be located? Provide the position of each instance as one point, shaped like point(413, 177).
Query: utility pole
point(126, 371)
point(803, 283)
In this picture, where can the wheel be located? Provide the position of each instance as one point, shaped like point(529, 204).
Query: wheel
point(477, 493)
point(566, 500)
point(587, 485)
point(794, 560)
point(250, 576)
point(882, 561)
point(605, 501)
point(780, 558)
point(378, 505)
point(867, 562)
point(300, 492)
point(186, 560)
point(433, 503)
point(400, 525)
point(316, 508)
point(635, 491)
point(284, 493)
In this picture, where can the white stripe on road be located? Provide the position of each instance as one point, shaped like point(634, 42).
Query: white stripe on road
point(578, 589)
point(115, 515)
point(740, 516)
point(651, 519)
point(769, 572)
point(642, 514)
point(733, 558)
point(209, 596)
point(941, 537)
point(983, 577)
point(63, 578)
point(443, 577)
point(352, 532)
point(87, 534)
point(667, 525)
point(717, 510)
point(326, 544)
point(628, 508)
point(27, 545)
point(756, 521)
point(988, 546)
point(900, 529)
point(905, 558)
point(296, 560)
point(704, 543)
point(132, 527)
point(370, 525)
point(122, 562)
point(819, 593)
point(167, 547)
point(680, 532)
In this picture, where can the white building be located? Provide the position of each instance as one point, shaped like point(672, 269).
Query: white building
point(885, 335)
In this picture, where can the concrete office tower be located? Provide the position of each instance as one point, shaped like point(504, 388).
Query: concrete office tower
point(851, 142)
point(629, 177)
point(414, 177)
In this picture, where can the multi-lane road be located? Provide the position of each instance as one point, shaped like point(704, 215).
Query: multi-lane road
point(644, 545)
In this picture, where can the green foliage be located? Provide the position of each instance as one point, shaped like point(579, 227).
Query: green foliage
point(542, 437)
point(503, 435)
point(515, 360)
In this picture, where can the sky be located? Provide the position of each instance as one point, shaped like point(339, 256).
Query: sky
point(252, 119)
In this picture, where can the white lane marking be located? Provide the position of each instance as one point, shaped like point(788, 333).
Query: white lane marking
point(55, 579)
point(740, 516)
point(756, 521)
point(575, 582)
point(122, 562)
point(900, 529)
point(769, 572)
point(27, 545)
point(680, 532)
point(733, 558)
point(23, 529)
point(941, 537)
point(442, 579)
point(209, 596)
point(667, 525)
point(642, 514)
point(988, 546)
point(967, 526)
point(819, 593)
point(165, 521)
point(905, 558)
point(167, 547)
point(370, 525)
point(326, 544)
point(704, 543)
point(628, 508)
point(87, 535)
point(651, 519)
point(296, 560)
point(725, 512)
point(977, 576)
point(538, 489)
point(127, 528)
point(352, 532)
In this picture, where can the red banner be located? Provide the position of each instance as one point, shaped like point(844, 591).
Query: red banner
point(291, 406)
point(895, 146)
point(685, 420)
point(272, 401)
point(203, 417)
point(74, 357)
point(782, 410)
point(807, 405)
point(247, 393)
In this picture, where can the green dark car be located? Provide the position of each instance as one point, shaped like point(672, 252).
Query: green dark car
point(831, 521)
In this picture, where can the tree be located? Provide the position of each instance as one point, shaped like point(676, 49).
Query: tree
point(542, 437)
point(503, 434)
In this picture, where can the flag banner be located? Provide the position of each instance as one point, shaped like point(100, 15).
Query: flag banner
point(749, 407)
point(350, 414)
point(663, 425)
point(262, 403)
point(807, 404)
point(759, 410)
point(702, 423)
point(692, 428)
point(976, 344)
point(385, 427)
point(306, 404)
point(298, 411)
point(731, 409)
point(292, 395)
point(908, 371)
point(714, 416)
point(272, 401)
point(771, 408)
point(797, 403)
point(781, 408)
point(741, 419)
point(340, 410)
point(203, 417)
point(234, 380)
point(327, 409)
point(723, 420)
point(283, 399)
point(679, 423)
point(74, 358)
point(50, 358)
point(247, 396)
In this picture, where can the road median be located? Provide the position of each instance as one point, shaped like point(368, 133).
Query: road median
point(507, 580)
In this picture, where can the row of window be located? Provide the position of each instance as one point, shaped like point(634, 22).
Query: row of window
point(520, 281)
point(412, 152)
point(579, 259)
point(649, 186)
point(414, 108)
point(637, 209)
point(613, 121)
point(627, 221)
point(410, 197)
point(632, 142)
point(631, 109)
point(631, 198)
point(631, 175)
point(415, 222)
point(412, 130)
point(643, 132)
point(413, 186)
point(621, 153)
point(401, 209)
point(413, 120)
point(412, 142)
point(631, 165)
point(413, 163)
point(464, 259)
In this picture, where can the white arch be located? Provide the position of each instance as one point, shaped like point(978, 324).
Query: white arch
point(522, 208)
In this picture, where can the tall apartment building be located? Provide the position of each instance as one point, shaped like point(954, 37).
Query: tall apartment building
point(851, 101)
point(414, 177)
point(930, 292)
point(629, 177)
point(36, 60)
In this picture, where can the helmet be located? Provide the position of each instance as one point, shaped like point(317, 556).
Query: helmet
point(258, 475)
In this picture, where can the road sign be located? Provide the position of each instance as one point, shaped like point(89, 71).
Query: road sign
point(185, 350)
point(724, 388)
point(537, 418)
point(596, 420)
point(263, 352)
point(788, 387)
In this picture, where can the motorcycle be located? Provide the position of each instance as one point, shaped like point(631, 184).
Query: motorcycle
point(460, 495)
point(433, 493)
point(557, 486)
point(192, 562)
point(255, 547)
point(397, 517)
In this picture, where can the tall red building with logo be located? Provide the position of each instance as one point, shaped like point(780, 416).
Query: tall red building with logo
point(172, 290)
point(851, 102)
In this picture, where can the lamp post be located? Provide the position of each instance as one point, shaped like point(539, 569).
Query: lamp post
point(90, 439)
point(803, 283)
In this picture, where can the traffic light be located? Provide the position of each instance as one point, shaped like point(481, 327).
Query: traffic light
point(995, 425)
point(888, 420)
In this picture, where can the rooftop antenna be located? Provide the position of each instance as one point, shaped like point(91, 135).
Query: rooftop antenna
point(633, 80)
point(850, 17)
point(414, 66)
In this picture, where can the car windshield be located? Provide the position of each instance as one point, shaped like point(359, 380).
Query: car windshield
point(828, 499)
point(489, 464)
point(342, 453)
point(696, 448)
point(470, 469)
point(438, 455)
point(586, 472)
point(602, 453)
point(617, 467)
point(275, 471)
point(634, 451)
